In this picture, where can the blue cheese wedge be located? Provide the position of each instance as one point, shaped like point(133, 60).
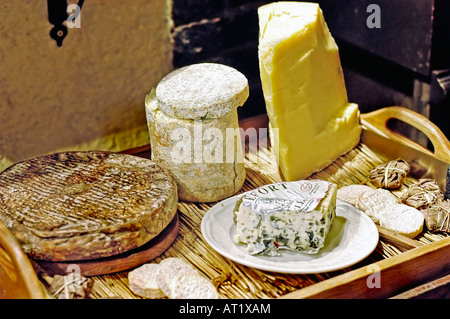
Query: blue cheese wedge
point(289, 215)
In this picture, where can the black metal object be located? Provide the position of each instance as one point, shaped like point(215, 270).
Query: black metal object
point(440, 85)
point(57, 15)
point(440, 101)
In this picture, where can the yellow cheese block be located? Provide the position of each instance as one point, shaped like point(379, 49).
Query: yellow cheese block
point(311, 119)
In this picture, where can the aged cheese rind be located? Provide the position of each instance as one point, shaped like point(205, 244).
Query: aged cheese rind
point(85, 205)
point(304, 89)
point(266, 223)
point(203, 90)
point(168, 269)
point(193, 157)
point(142, 281)
point(192, 286)
point(373, 202)
point(403, 219)
point(180, 280)
point(351, 193)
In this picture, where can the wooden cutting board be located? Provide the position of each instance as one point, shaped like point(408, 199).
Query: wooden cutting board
point(117, 263)
point(77, 206)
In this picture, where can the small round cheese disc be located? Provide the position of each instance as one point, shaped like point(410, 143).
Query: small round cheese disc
point(351, 193)
point(85, 205)
point(403, 219)
point(203, 90)
point(191, 286)
point(142, 281)
point(168, 269)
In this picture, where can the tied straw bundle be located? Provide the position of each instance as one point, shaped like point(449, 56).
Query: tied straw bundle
point(390, 175)
point(426, 196)
point(70, 286)
point(437, 216)
point(422, 194)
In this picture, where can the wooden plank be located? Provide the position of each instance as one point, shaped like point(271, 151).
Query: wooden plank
point(379, 121)
point(439, 288)
point(387, 277)
point(117, 263)
point(397, 238)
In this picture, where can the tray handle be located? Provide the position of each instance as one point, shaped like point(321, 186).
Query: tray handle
point(18, 278)
point(378, 119)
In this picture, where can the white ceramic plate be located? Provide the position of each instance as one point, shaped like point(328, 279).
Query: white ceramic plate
point(352, 237)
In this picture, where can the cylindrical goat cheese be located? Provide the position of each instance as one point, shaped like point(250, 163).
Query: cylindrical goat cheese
point(194, 130)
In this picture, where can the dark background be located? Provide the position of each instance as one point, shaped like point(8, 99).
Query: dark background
point(404, 62)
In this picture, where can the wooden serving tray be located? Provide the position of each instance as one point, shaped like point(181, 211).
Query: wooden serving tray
point(116, 263)
point(424, 262)
point(403, 263)
point(18, 279)
point(400, 263)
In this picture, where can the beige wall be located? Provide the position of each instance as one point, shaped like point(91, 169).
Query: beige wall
point(87, 94)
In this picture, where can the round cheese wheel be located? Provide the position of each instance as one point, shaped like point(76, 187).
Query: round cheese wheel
point(373, 202)
point(142, 281)
point(351, 193)
point(85, 205)
point(203, 90)
point(403, 219)
point(180, 280)
point(194, 130)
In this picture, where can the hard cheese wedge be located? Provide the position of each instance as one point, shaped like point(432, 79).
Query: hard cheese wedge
point(311, 120)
